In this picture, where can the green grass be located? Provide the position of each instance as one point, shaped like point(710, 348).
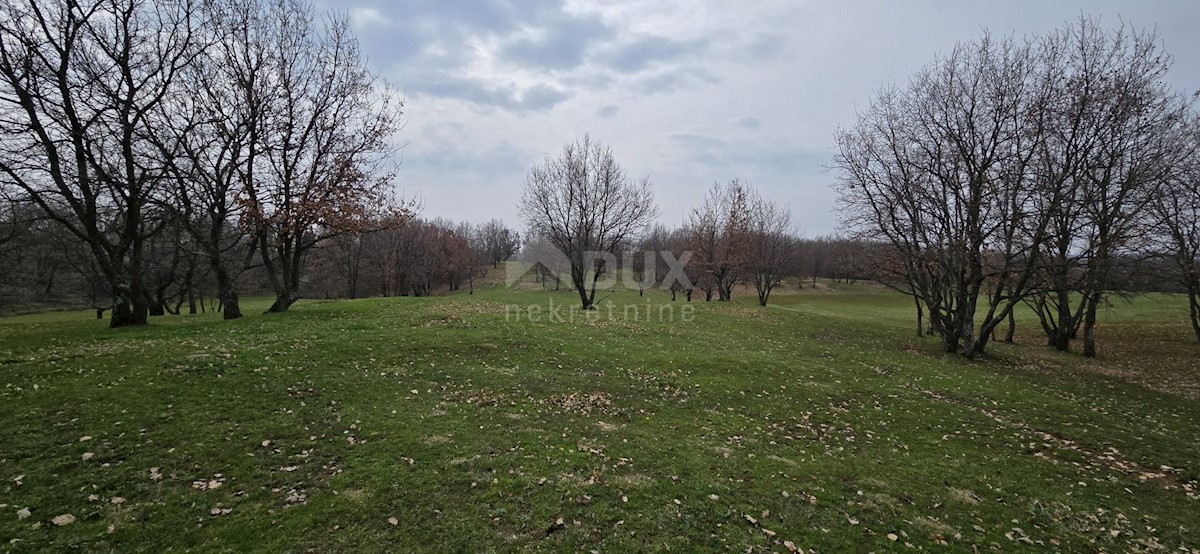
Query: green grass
point(822, 417)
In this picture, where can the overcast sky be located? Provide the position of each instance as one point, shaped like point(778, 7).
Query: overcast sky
point(687, 92)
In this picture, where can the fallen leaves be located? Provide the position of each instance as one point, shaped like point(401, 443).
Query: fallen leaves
point(23, 513)
point(65, 519)
point(209, 484)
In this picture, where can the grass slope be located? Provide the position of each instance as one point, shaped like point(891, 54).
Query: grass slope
point(819, 423)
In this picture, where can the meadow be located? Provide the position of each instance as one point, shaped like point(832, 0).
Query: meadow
point(821, 423)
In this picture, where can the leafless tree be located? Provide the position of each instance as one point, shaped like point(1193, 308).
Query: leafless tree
point(771, 245)
point(323, 166)
point(1113, 136)
point(586, 206)
point(718, 231)
point(646, 263)
point(1014, 171)
point(1176, 213)
point(941, 171)
point(498, 241)
point(213, 136)
point(78, 85)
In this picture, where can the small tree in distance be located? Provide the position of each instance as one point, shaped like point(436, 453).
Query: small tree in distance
point(586, 206)
point(498, 242)
point(718, 231)
point(772, 246)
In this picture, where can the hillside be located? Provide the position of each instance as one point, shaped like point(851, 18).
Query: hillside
point(819, 423)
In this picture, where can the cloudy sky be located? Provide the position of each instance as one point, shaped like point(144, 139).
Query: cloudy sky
point(687, 92)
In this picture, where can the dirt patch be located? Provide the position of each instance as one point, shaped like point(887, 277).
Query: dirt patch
point(585, 403)
point(964, 496)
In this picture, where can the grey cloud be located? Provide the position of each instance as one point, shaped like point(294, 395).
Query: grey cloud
point(767, 46)
point(533, 99)
point(717, 152)
point(695, 142)
point(642, 53)
point(431, 18)
point(542, 97)
point(607, 111)
point(750, 122)
point(438, 155)
point(672, 80)
point(565, 42)
point(426, 42)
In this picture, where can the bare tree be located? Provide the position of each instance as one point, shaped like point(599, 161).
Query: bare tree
point(499, 242)
point(585, 205)
point(941, 171)
point(1176, 212)
point(771, 245)
point(719, 231)
point(322, 170)
point(1113, 137)
point(78, 85)
point(646, 264)
point(213, 137)
point(1016, 171)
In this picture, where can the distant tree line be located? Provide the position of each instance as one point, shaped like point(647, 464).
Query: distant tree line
point(1048, 171)
point(417, 257)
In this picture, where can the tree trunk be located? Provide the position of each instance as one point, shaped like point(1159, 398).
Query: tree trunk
point(1089, 326)
point(137, 290)
point(158, 304)
point(122, 307)
point(227, 295)
point(950, 342)
point(1012, 327)
point(920, 317)
point(1194, 303)
point(230, 304)
point(281, 304)
point(1063, 332)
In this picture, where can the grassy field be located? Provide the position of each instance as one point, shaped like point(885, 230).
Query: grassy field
point(819, 423)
